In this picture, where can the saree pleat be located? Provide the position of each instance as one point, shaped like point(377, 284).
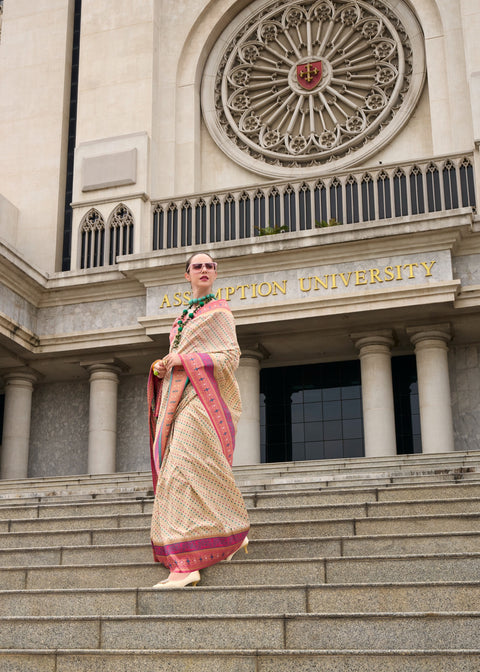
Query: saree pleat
point(199, 516)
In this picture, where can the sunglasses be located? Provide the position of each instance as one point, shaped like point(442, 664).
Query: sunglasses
point(209, 266)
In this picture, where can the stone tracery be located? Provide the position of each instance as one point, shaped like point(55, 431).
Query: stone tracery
point(306, 82)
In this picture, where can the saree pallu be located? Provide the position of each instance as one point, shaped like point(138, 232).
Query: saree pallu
point(199, 516)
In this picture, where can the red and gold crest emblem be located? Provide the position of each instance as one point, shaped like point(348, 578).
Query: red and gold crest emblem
point(309, 74)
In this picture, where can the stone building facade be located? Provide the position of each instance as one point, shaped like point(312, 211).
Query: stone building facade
point(326, 152)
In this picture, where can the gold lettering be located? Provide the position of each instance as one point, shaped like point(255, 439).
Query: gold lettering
point(280, 289)
point(186, 297)
point(399, 272)
point(345, 282)
point(358, 274)
point(389, 274)
point(218, 295)
point(229, 291)
point(165, 302)
point(177, 300)
point(242, 287)
point(309, 284)
point(375, 276)
point(428, 268)
point(410, 266)
point(334, 281)
point(254, 290)
point(320, 282)
point(268, 285)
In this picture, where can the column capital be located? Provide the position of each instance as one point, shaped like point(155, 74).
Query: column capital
point(253, 351)
point(381, 340)
point(107, 366)
point(441, 333)
point(23, 374)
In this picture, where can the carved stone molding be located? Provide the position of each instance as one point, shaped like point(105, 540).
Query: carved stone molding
point(297, 85)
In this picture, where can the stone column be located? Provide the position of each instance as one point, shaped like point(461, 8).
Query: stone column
point(102, 429)
point(247, 442)
point(377, 392)
point(436, 421)
point(16, 423)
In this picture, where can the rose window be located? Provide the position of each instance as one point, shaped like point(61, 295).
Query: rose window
point(300, 85)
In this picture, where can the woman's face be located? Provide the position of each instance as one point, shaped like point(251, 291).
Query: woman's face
point(201, 280)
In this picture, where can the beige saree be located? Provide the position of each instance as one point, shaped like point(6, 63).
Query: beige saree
point(199, 517)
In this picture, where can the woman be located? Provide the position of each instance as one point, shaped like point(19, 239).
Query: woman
point(199, 516)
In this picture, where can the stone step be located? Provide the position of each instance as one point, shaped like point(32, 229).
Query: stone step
point(361, 471)
point(282, 487)
point(400, 464)
point(442, 523)
point(362, 569)
point(379, 494)
point(155, 660)
point(117, 529)
point(367, 510)
point(319, 496)
point(374, 480)
point(132, 575)
point(332, 599)
point(98, 491)
point(455, 630)
point(261, 549)
point(53, 513)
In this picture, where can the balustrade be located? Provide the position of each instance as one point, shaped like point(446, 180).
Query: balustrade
point(382, 193)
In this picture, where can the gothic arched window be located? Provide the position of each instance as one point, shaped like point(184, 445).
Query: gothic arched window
point(92, 230)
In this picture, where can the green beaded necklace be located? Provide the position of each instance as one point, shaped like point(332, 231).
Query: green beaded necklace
point(189, 314)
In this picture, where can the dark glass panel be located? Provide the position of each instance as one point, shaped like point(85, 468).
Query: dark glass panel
point(297, 412)
point(332, 429)
point(405, 395)
point(351, 392)
point(314, 450)
point(333, 449)
point(298, 431)
point(72, 126)
point(331, 405)
point(332, 410)
point(310, 396)
point(351, 408)
point(297, 397)
point(298, 451)
point(353, 448)
point(313, 412)
point(352, 429)
point(331, 394)
point(314, 431)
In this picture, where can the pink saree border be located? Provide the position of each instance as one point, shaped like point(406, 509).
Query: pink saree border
point(200, 371)
point(185, 556)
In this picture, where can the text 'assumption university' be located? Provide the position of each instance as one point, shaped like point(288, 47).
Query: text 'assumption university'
point(329, 281)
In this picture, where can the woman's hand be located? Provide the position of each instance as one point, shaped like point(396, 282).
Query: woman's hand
point(171, 360)
point(159, 368)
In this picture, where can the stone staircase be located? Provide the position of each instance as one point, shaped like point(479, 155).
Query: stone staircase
point(358, 565)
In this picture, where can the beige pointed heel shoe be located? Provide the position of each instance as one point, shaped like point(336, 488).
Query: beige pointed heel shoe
point(244, 545)
point(191, 578)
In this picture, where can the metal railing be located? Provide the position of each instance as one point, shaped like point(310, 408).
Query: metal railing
point(380, 193)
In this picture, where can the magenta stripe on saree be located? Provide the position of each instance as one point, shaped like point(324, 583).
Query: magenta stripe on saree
point(200, 370)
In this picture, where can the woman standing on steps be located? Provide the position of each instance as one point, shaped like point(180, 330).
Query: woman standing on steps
point(199, 516)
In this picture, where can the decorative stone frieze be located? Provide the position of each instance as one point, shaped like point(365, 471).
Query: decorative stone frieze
point(310, 83)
